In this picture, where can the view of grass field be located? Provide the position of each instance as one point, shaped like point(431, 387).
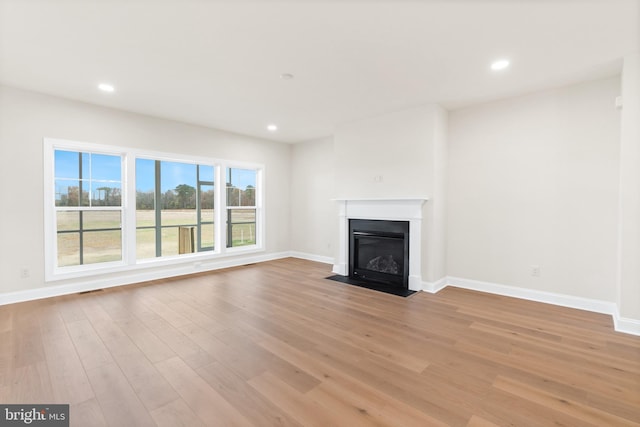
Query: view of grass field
point(105, 246)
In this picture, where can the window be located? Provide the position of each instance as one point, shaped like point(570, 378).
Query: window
point(241, 207)
point(88, 207)
point(182, 219)
point(112, 208)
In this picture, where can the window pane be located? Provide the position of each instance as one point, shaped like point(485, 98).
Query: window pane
point(178, 217)
point(105, 194)
point(68, 192)
point(173, 176)
point(241, 185)
point(145, 243)
point(242, 215)
point(170, 241)
point(207, 236)
point(66, 164)
point(145, 192)
point(145, 175)
point(183, 197)
point(68, 220)
point(207, 215)
point(92, 220)
point(145, 218)
point(105, 167)
point(68, 249)
point(206, 173)
point(102, 246)
point(243, 227)
point(85, 192)
point(206, 202)
point(243, 234)
point(86, 166)
point(178, 199)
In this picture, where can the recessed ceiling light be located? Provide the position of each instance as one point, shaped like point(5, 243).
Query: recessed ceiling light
point(500, 65)
point(106, 87)
point(272, 128)
point(286, 76)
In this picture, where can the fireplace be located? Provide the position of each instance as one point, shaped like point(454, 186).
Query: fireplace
point(379, 251)
point(386, 210)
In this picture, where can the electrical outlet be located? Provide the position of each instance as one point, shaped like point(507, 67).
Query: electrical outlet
point(378, 178)
point(535, 270)
point(24, 273)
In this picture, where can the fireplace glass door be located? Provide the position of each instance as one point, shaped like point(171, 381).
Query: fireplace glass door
point(379, 251)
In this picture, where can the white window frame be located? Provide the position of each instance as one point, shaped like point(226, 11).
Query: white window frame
point(258, 207)
point(129, 261)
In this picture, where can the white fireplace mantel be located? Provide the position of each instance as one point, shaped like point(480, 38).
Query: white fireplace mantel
point(396, 209)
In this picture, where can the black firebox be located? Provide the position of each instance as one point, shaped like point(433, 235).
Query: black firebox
point(379, 251)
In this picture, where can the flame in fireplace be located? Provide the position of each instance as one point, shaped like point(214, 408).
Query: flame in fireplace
point(383, 264)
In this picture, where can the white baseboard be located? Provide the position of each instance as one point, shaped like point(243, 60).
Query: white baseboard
point(311, 257)
point(435, 287)
point(626, 325)
point(341, 269)
point(594, 305)
point(138, 276)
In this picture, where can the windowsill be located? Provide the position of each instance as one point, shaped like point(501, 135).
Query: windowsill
point(196, 259)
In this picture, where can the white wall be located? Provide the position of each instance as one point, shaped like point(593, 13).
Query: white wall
point(534, 181)
point(434, 238)
point(407, 149)
point(629, 274)
point(314, 216)
point(27, 117)
point(395, 146)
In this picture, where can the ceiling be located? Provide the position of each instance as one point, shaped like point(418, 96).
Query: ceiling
point(218, 63)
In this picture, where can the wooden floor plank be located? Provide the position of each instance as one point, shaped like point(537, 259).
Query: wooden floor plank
point(206, 403)
point(304, 409)
point(120, 404)
point(68, 378)
point(176, 414)
point(87, 413)
point(150, 386)
point(243, 397)
point(88, 344)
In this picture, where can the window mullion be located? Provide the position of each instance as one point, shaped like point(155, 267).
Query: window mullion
point(198, 211)
point(80, 216)
point(158, 209)
point(129, 210)
point(220, 207)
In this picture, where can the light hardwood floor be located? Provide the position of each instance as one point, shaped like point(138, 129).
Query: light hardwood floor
point(277, 344)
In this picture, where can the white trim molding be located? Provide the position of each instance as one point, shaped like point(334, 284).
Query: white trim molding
point(312, 257)
point(626, 325)
point(588, 304)
point(435, 287)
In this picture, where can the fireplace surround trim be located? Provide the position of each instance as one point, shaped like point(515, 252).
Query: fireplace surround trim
point(394, 209)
